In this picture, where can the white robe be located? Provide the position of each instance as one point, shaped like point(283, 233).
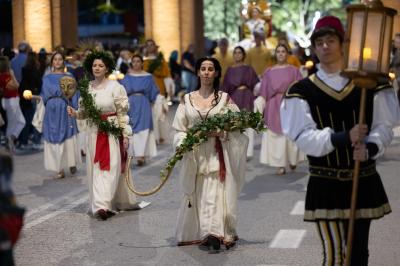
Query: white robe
point(209, 206)
point(58, 156)
point(15, 118)
point(276, 150)
point(82, 124)
point(160, 121)
point(142, 144)
point(107, 189)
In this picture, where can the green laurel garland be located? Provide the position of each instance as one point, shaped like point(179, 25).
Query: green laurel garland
point(198, 134)
point(93, 113)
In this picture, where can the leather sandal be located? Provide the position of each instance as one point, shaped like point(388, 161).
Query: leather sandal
point(60, 174)
point(140, 162)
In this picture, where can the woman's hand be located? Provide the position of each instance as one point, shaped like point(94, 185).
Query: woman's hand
point(126, 143)
point(71, 111)
point(242, 87)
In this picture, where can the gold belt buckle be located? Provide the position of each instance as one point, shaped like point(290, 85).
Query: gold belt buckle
point(347, 177)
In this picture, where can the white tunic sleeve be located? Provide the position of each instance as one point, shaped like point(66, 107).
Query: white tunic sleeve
point(386, 115)
point(299, 126)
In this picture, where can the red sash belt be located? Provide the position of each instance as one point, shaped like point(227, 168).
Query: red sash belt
point(222, 168)
point(102, 154)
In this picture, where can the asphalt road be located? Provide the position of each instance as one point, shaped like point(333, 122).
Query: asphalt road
point(58, 230)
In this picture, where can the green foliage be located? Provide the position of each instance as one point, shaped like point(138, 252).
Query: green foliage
point(156, 63)
point(93, 113)
point(296, 16)
point(198, 134)
point(222, 19)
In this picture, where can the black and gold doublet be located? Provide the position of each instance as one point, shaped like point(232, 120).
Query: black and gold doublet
point(330, 184)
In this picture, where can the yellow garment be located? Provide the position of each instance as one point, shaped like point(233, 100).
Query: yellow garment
point(225, 61)
point(159, 74)
point(293, 60)
point(259, 58)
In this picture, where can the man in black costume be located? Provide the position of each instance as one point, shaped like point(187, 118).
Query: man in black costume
point(320, 114)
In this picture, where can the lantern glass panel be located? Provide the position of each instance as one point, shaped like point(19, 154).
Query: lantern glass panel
point(386, 45)
point(355, 41)
point(372, 44)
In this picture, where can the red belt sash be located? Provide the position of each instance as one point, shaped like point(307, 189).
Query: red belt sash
point(222, 168)
point(102, 155)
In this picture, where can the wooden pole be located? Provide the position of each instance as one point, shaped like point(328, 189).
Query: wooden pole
point(352, 218)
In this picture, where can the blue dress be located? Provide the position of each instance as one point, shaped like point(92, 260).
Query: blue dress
point(142, 91)
point(57, 125)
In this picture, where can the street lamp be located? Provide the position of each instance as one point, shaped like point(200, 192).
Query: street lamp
point(366, 61)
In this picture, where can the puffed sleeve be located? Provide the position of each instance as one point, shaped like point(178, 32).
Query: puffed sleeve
point(122, 106)
point(180, 124)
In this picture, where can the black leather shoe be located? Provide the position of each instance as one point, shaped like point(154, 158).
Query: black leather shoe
point(110, 214)
point(214, 242)
point(72, 170)
point(102, 214)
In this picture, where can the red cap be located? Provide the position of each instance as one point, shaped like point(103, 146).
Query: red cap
point(326, 24)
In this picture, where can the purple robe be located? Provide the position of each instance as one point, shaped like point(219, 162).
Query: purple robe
point(274, 83)
point(236, 77)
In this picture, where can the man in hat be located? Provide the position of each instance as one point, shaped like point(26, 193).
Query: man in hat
point(320, 114)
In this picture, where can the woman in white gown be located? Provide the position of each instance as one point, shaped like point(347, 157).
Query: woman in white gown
point(106, 155)
point(212, 174)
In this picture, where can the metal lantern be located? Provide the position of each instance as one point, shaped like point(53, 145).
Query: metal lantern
point(368, 42)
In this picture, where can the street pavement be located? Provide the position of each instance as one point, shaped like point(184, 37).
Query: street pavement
point(58, 230)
